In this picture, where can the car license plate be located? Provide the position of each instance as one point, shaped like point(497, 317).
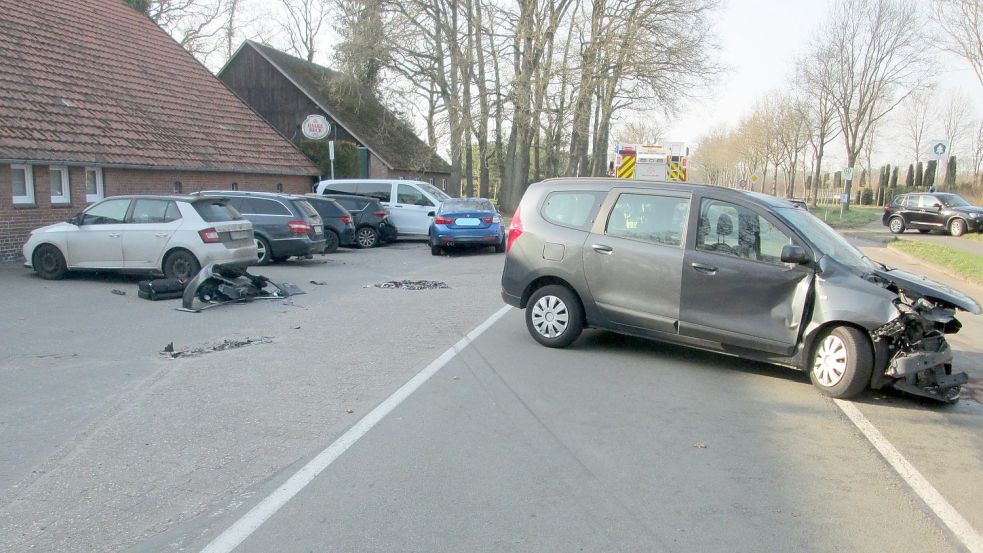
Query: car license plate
point(239, 234)
point(467, 222)
point(318, 230)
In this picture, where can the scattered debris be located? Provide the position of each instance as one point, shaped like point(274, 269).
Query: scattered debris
point(349, 411)
point(227, 344)
point(218, 285)
point(296, 327)
point(119, 292)
point(319, 283)
point(414, 284)
point(700, 445)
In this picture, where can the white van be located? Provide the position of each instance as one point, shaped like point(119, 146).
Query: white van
point(411, 203)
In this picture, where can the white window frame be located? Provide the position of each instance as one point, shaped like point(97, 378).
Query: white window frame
point(28, 185)
point(66, 196)
point(100, 187)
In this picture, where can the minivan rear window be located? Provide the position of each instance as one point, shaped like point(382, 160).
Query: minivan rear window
point(216, 211)
point(572, 208)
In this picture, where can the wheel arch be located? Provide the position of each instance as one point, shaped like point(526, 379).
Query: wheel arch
point(548, 280)
point(811, 339)
point(961, 218)
point(171, 251)
point(38, 246)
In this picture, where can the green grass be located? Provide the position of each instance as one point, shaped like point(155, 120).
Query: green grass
point(858, 216)
point(961, 263)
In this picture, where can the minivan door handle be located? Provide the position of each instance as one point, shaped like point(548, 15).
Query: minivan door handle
point(601, 248)
point(707, 269)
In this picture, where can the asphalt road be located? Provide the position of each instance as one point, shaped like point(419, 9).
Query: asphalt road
point(614, 444)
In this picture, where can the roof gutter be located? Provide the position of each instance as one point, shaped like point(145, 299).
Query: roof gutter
point(285, 173)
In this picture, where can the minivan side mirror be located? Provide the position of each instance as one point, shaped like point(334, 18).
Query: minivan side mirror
point(794, 254)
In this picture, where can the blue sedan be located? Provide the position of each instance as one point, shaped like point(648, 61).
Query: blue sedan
point(466, 222)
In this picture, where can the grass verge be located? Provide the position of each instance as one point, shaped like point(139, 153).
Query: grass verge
point(858, 216)
point(960, 263)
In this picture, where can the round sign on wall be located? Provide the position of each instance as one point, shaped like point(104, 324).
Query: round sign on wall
point(315, 127)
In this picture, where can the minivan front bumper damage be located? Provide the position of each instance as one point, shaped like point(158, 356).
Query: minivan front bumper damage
point(218, 285)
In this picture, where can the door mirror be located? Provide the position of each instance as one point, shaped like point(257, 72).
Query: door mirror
point(76, 220)
point(937, 205)
point(431, 213)
point(794, 254)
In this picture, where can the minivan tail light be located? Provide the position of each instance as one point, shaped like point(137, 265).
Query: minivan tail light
point(515, 228)
point(346, 219)
point(438, 220)
point(209, 236)
point(299, 227)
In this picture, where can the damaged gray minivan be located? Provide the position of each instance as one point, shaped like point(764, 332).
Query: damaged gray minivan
point(724, 270)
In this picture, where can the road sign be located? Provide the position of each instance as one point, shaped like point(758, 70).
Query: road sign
point(939, 149)
point(754, 180)
point(316, 127)
point(331, 150)
point(743, 184)
point(848, 173)
point(844, 198)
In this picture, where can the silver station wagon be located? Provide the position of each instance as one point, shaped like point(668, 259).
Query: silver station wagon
point(729, 271)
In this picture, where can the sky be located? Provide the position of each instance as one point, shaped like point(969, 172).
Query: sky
point(760, 40)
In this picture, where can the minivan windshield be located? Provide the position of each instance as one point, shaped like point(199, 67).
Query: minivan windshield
point(826, 240)
point(434, 191)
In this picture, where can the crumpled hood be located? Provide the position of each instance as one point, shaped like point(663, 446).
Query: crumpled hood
point(921, 286)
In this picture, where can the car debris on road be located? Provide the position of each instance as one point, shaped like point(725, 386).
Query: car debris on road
point(227, 344)
point(219, 285)
point(413, 284)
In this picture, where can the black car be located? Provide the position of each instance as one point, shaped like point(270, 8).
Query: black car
point(372, 223)
point(283, 225)
point(339, 226)
point(735, 272)
point(932, 211)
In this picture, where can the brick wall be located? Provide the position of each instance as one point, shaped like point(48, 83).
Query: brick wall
point(17, 221)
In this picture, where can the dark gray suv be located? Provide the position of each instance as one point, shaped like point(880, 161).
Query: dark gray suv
point(729, 271)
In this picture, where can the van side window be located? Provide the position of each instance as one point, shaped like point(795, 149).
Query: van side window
point(407, 194)
point(734, 230)
point(381, 191)
point(658, 219)
point(340, 188)
point(575, 209)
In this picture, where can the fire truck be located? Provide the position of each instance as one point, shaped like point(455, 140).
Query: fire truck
point(662, 162)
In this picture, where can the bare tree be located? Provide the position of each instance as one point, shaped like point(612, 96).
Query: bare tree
point(637, 131)
point(917, 113)
point(875, 58)
point(962, 21)
point(793, 138)
point(195, 24)
point(957, 113)
point(977, 154)
point(302, 23)
point(362, 51)
point(816, 78)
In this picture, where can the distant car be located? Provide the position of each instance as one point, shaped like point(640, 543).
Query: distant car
point(283, 225)
point(173, 235)
point(410, 203)
point(339, 226)
point(372, 223)
point(735, 272)
point(926, 212)
point(467, 222)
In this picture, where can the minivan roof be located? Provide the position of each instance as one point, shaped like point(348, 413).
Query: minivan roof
point(606, 183)
point(374, 181)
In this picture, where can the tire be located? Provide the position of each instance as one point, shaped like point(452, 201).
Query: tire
point(896, 224)
point(841, 363)
point(331, 241)
point(366, 237)
point(554, 316)
point(924, 230)
point(436, 250)
point(957, 227)
point(49, 263)
point(181, 264)
point(264, 252)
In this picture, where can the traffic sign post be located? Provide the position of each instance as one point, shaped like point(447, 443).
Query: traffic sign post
point(939, 149)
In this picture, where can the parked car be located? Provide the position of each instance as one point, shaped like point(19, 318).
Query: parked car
point(173, 235)
point(372, 223)
point(283, 225)
point(932, 211)
point(467, 222)
point(339, 226)
point(729, 271)
point(410, 203)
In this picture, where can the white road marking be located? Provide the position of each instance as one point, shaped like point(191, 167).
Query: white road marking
point(958, 525)
point(252, 520)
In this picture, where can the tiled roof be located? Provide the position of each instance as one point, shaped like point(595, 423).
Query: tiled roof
point(93, 81)
point(358, 111)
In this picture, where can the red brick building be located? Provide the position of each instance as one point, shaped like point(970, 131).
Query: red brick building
point(96, 100)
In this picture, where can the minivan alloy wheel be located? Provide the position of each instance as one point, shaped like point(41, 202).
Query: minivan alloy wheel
point(830, 362)
point(550, 316)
